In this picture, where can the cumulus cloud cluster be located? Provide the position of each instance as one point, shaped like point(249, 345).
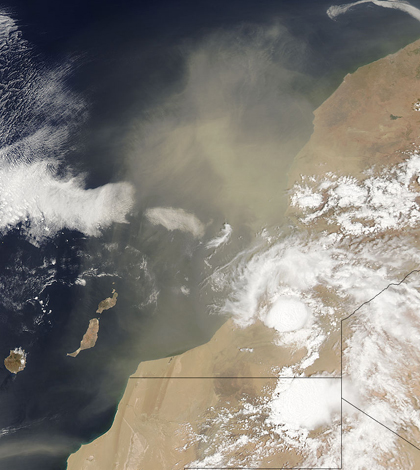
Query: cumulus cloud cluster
point(39, 114)
point(304, 285)
point(30, 194)
point(384, 201)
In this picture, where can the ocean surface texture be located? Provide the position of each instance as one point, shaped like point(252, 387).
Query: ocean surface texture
point(145, 150)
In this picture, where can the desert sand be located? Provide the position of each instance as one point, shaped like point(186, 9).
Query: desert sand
point(371, 119)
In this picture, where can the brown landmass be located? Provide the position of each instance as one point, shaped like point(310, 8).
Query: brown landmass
point(16, 361)
point(370, 119)
point(108, 303)
point(89, 338)
point(169, 401)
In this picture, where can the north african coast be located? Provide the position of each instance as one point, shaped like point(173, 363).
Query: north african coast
point(323, 333)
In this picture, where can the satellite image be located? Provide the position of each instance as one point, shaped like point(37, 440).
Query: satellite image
point(209, 235)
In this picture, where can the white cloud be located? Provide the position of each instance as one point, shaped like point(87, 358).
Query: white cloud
point(402, 5)
point(224, 237)
point(305, 404)
point(30, 194)
point(330, 275)
point(288, 313)
point(175, 219)
point(38, 116)
point(387, 201)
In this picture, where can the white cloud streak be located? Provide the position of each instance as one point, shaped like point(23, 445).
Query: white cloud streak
point(337, 10)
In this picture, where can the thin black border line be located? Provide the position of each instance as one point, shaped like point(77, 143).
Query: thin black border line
point(376, 421)
point(297, 377)
point(396, 284)
point(379, 293)
point(300, 377)
point(270, 378)
point(239, 377)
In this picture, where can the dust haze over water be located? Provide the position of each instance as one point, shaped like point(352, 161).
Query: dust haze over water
point(216, 140)
point(220, 146)
point(212, 156)
point(200, 109)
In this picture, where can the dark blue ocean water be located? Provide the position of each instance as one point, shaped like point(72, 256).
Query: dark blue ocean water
point(125, 59)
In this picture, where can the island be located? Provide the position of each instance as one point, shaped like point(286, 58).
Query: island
point(108, 303)
point(347, 280)
point(89, 338)
point(16, 361)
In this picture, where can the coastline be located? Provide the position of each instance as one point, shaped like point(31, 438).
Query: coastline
point(155, 409)
point(369, 121)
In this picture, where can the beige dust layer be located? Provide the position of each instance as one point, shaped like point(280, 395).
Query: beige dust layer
point(369, 120)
